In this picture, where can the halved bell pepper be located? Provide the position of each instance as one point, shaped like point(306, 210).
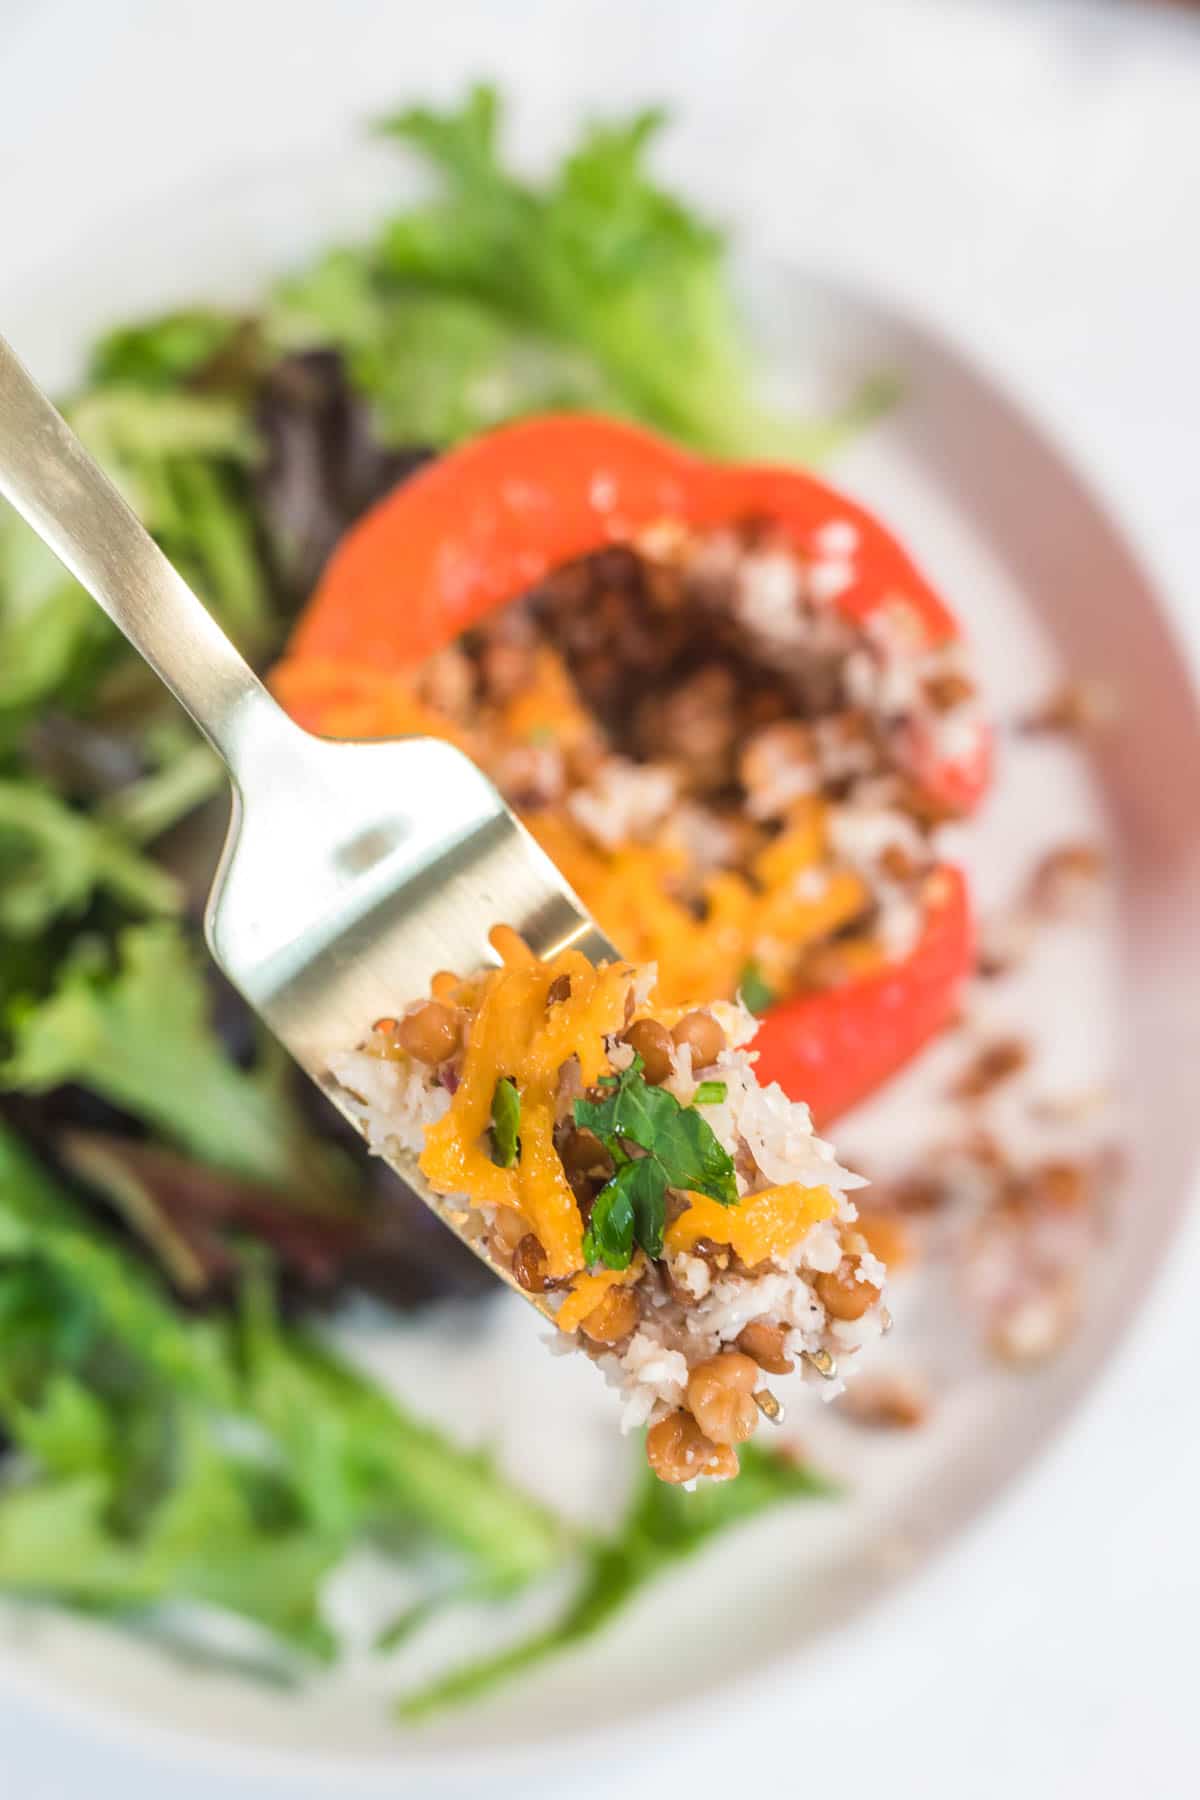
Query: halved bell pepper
point(835, 1047)
point(485, 523)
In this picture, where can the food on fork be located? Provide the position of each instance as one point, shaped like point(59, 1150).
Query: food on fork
point(722, 697)
point(619, 1160)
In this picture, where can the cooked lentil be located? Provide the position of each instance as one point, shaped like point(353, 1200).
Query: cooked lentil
point(430, 1033)
point(703, 1036)
point(842, 1293)
point(530, 1264)
point(720, 1396)
point(613, 1319)
point(677, 1450)
point(765, 1344)
point(652, 1042)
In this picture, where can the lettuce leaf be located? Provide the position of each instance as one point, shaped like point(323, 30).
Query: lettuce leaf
point(182, 460)
point(227, 1463)
point(436, 367)
point(663, 1525)
point(359, 1458)
point(102, 1290)
point(624, 285)
point(136, 1030)
point(54, 859)
point(54, 640)
point(183, 774)
point(594, 289)
point(161, 353)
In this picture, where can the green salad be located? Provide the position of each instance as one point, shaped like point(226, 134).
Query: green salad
point(179, 1211)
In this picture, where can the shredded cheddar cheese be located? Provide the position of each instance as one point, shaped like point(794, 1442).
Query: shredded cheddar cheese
point(759, 1226)
point(517, 1033)
point(587, 1291)
point(771, 920)
point(547, 706)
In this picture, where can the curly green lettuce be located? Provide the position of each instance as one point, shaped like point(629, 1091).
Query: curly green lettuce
point(591, 289)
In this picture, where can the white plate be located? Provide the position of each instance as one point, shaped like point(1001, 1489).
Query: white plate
point(1045, 583)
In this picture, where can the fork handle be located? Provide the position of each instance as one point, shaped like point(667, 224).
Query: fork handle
point(50, 479)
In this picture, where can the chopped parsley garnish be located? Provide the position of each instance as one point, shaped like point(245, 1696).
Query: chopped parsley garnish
point(506, 1122)
point(753, 989)
point(631, 1209)
point(681, 1151)
point(710, 1093)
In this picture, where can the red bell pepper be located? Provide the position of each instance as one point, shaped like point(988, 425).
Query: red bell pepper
point(834, 1048)
point(487, 522)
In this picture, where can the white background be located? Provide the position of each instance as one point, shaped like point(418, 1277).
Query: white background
point(1026, 175)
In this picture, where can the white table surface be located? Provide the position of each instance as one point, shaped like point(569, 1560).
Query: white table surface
point(1026, 175)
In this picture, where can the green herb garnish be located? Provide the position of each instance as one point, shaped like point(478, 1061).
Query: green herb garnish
point(631, 1209)
point(681, 1151)
point(680, 1141)
point(753, 990)
point(710, 1093)
point(506, 1122)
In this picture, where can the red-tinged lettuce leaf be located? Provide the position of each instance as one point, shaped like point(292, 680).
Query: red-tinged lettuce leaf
point(191, 1215)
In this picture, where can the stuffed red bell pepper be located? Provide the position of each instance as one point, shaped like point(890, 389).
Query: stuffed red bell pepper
point(724, 699)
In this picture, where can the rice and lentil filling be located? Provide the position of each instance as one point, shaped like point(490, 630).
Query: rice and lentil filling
point(726, 767)
point(617, 1157)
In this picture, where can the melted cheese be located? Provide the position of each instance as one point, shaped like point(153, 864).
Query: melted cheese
point(587, 1291)
point(759, 1226)
point(547, 706)
point(771, 920)
point(518, 1034)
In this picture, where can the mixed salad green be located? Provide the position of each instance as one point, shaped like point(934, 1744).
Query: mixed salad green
point(177, 1208)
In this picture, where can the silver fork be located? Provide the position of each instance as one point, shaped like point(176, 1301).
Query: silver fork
point(351, 872)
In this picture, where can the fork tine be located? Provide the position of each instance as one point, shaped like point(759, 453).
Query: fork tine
point(341, 895)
